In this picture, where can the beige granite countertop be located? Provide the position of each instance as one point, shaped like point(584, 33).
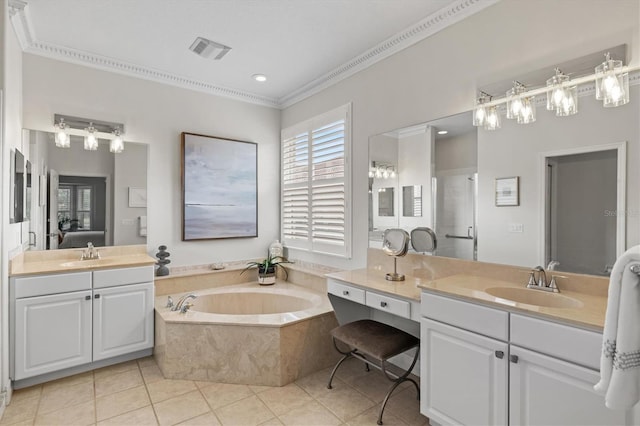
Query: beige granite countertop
point(60, 261)
point(472, 288)
point(374, 279)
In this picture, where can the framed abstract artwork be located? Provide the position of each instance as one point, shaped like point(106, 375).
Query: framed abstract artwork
point(219, 188)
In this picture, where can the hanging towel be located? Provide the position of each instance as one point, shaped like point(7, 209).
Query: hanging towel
point(142, 226)
point(620, 358)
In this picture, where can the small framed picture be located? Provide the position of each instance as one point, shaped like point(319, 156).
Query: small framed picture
point(508, 191)
point(137, 197)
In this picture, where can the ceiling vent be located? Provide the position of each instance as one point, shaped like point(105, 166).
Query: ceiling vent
point(209, 49)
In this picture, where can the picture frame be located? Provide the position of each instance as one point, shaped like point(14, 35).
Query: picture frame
point(507, 191)
point(137, 197)
point(219, 188)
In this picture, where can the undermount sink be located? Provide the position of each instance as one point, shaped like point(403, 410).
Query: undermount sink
point(534, 297)
point(89, 263)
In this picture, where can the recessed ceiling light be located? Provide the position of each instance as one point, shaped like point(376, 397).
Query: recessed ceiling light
point(260, 77)
point(442, 132)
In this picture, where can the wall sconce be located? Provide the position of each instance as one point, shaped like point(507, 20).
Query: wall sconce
point(62, 138)
point(382, 171)
point(90, 129)
point(611, 83)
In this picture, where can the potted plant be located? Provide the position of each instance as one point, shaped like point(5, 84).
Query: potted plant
point(267, 269)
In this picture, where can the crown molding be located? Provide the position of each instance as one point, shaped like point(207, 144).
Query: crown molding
point(427, 27)
point(19, 12)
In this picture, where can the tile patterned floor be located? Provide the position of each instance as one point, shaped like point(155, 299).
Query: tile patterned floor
point(136, 393)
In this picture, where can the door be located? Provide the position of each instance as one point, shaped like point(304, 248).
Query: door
point(547, 391)
point(53, 210)
point(52, 333)
point(463, 376)
point(122, 320)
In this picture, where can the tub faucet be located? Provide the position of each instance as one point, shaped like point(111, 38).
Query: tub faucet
point(90, 253)
point(182, 302)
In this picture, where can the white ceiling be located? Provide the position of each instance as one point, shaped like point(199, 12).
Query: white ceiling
point(300, 45)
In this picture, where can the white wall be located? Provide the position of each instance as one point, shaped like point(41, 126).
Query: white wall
point(457, 152)
point(439, 76)
point(156, 114)
point(130, 171)
point(515, 150)
point(11, 139)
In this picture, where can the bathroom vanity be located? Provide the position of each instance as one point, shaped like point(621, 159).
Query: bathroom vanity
point(79, 315)
point(491, 360)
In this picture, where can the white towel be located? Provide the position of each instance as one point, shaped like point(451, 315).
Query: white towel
point(142, 226)
point(620, 358)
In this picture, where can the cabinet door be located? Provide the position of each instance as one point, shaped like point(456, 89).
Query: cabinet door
point(546, 391)
point(122, 320)
point(463, 376)
point(51, 333)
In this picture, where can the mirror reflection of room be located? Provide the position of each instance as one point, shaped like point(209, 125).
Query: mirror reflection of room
point(81, 196)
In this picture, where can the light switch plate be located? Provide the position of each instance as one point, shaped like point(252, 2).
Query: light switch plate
point(516, 227)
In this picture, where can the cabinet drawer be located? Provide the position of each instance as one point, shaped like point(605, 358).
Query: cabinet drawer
point(123, 276)
point(388, 304)
point(562, 341)
point(51, 284)
point(472, 317)
point(346, 291)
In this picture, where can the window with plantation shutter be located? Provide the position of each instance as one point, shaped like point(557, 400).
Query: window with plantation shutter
point(316, 184)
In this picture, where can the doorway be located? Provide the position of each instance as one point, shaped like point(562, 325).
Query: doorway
point(584, 210)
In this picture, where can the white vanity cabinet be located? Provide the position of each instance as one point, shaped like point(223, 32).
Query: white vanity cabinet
point(62, 321)
point(487, 366)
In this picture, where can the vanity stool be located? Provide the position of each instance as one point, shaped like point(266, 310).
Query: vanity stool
point(374, 343)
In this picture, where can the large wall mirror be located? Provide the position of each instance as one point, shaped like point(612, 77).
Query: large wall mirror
point(80, 196)
point(578, 205)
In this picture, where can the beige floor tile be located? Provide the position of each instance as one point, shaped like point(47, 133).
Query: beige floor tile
point(181, 408)
point(69, 381)
point(111, 383)
point(375, 386)
point(55, 398)
point(406, 406)
point(81, 414)
point(258, 388)
point(140, 417)
point(311, 414)
point(345, 403)
point(28, 422)
point(284, 399)
point(120, 402)
point(273, 422)
point(20, 411)
point(116, 368)
point(207, 419)
point(316, 384)
point(246, 412)
point(146, 361)
point(203, 384)
point(370, 417)
point(221, 394)
point(26, 393)
point(151, 373)
point(161, 390)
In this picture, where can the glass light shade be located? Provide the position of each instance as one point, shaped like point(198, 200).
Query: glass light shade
point(392, 174)
point(371, 173)
point(514, 101)
point(617, 90)
point(378, 173)
point(62, 138)
point(493, 119)
point(569, 102)
point(116, 145)
point(385, 174)
point(557, 93)
point(528, 111)
point(91, 141)
point(479, 113)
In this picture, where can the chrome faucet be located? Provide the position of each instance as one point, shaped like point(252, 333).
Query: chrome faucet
point(183, 304)
point(553, 265)
point(90, 253)
point(538, 280)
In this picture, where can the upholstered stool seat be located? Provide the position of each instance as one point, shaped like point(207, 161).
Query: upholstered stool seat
point(374, 343)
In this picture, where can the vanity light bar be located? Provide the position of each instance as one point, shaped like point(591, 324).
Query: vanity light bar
point(82, 123)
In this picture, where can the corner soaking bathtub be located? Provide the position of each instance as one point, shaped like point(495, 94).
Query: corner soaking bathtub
point(246, 334)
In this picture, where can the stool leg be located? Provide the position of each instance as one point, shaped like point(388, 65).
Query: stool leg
point(343, 359)
point(386, 399)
